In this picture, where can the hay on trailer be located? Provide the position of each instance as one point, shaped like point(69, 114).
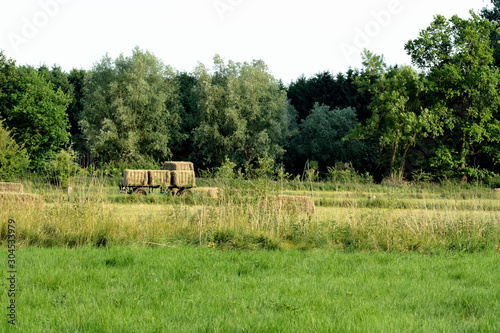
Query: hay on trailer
point(183, 178)
point(159, 177)
point(11, 187)
point(21, 197)
point(178, 166)
point(135, 177)
point(291, 204)
point(212, 192)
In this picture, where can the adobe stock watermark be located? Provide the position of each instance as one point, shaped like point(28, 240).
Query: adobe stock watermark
point(31, 26)
point(381, 19)
point(222, 7)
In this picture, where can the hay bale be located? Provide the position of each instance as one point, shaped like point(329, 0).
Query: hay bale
point(212, 192)
point(21, 197)
point(292, 203)
point(11, 187)
point(159, 177)
point(178, 166)
point(183, 178)
point(135, 177)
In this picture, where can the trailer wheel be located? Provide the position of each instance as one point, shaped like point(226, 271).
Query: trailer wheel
point(141, 191)
point(184, 190)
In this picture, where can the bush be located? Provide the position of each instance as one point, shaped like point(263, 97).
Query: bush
point(114, 169)
point(492, 180)
point(345, 173)
point(62, 168)
point(14, 159)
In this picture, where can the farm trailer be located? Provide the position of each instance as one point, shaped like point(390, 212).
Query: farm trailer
point(174, 178)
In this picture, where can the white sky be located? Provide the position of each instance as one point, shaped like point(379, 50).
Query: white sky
point(293, 37)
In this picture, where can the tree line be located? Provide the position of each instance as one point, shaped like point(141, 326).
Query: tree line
point(441, 120)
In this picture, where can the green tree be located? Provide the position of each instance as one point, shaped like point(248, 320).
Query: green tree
point(320, 139)
point(76, 78)
point(130, 108)
point(184, 148)
point(14, 159)
point(8, 84)
point(398, 117)
point(38, 116)
point(463, 90)
point(339, 91)
point(493, 15)
point(243, 113)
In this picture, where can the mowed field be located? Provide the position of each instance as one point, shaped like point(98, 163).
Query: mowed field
point(371, 258)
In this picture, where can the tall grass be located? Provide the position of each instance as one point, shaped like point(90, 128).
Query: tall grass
point(355, 217)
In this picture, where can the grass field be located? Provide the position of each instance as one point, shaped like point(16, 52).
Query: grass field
point(372, 258)
point(199, 289)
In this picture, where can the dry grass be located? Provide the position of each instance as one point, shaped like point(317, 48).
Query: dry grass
point(290, 204)
point(239, 218)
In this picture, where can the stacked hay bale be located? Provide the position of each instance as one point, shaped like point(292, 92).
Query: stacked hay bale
point(292, 203)
point(14, 192)
point(21, 197)
point(159, 178)
point(135, 177)
point(182, 173)
point(178, 166)
point(11, 187)
point(212, 192)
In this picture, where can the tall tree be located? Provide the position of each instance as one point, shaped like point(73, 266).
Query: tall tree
point(397, 115)
point(130, 108)
point(493, 15)
point(338, 91)
point(463, 88)
point(8, 83)
point(321, 136)
point(184, 147)
point(243, 113)
point(38, 116)
point(76, 78)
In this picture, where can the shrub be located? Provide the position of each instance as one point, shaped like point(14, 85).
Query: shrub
point(345, 173)
point(62, 168)
point(14, 159)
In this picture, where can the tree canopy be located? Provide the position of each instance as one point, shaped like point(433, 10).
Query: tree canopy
point(389, 120)
point(243, 113)
point(130, 108)
point(463, 86)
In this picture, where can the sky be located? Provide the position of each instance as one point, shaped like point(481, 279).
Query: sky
point(292, 37)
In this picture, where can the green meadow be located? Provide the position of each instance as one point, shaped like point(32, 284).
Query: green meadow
point(371, 258)
point(200, 289)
